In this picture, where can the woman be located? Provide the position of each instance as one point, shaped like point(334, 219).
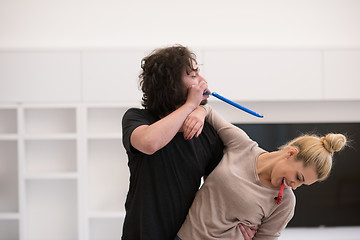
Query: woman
point(253, 187)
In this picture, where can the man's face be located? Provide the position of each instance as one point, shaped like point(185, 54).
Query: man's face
point(192, 78)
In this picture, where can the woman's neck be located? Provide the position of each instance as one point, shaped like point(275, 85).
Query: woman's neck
point(265, 165)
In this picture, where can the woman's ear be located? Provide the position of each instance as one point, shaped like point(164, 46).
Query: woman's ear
point(292, 152)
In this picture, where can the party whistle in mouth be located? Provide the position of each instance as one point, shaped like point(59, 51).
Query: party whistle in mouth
point(234, 104)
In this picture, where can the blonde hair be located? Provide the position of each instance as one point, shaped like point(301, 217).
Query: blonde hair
point(318, 151)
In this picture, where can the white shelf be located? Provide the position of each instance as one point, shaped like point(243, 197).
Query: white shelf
point(9, 216)
point(64, 136)
point(51, 176)
point(105, 136)
point(107, 215)
point(8, 137)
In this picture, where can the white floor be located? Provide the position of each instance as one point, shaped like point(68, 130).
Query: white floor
point(321, 233)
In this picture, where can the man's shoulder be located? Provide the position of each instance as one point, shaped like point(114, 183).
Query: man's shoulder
point(132, 113)
point(134, 110)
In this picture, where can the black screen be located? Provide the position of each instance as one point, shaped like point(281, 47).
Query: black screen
point(335, 201)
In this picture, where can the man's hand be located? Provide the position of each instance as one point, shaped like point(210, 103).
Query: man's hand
point(196, 93)
point(248, 232)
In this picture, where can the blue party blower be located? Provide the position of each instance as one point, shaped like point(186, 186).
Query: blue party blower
point(234, 104)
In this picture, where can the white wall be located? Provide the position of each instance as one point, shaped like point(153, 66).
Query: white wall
point(196, 23)
point(86, 50)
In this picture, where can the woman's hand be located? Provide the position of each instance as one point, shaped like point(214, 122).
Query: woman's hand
point(194, 123)
point(248, 232)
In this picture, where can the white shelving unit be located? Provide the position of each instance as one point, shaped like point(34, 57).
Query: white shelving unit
point(63, 172)
point(107, 172)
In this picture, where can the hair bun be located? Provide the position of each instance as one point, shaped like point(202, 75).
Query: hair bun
point(334, 142)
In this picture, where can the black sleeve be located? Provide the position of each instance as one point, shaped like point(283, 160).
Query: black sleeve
point(132, 119)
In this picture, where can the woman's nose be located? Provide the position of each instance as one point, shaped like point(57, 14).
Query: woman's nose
point(295, 185)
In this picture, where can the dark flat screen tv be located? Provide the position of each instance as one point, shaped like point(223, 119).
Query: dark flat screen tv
point(333, 202)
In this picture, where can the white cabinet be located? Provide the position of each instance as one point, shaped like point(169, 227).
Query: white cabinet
point(64, 172)
point(257, 75)
point(342, 75)
point(112, 75)
point(246, 75)
point(40, 76)
point(70, 76)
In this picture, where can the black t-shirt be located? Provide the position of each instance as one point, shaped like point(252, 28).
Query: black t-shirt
point(163, 185)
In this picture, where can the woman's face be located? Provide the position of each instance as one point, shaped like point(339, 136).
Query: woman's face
point(293, 172)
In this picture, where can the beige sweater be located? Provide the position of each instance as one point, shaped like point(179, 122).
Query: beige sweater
point(233, 193)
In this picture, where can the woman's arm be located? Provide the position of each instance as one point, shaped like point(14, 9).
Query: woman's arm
point(231, 135)
point(194, 123)
point(272, 226)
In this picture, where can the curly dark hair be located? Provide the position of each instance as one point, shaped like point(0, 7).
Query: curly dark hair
point(161, 79)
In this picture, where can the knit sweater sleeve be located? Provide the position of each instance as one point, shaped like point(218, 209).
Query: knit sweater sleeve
point(231, 135)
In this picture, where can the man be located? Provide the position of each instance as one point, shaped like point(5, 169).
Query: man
point(165, 168)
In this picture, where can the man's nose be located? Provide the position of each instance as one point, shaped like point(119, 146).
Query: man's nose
point(202, 78)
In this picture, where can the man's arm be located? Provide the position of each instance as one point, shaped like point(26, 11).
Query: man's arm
point(150, 138)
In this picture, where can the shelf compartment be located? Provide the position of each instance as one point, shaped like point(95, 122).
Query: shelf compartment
point(102, 121)
point(52, 176)
point(8, 121)
point(40, 121)
point(51, 211)
point(50, 156)
point(8, 177)
point(9, 229)
point(105, 229)
point(108, 175)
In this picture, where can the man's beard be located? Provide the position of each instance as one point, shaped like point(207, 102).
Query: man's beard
point(203, 102)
